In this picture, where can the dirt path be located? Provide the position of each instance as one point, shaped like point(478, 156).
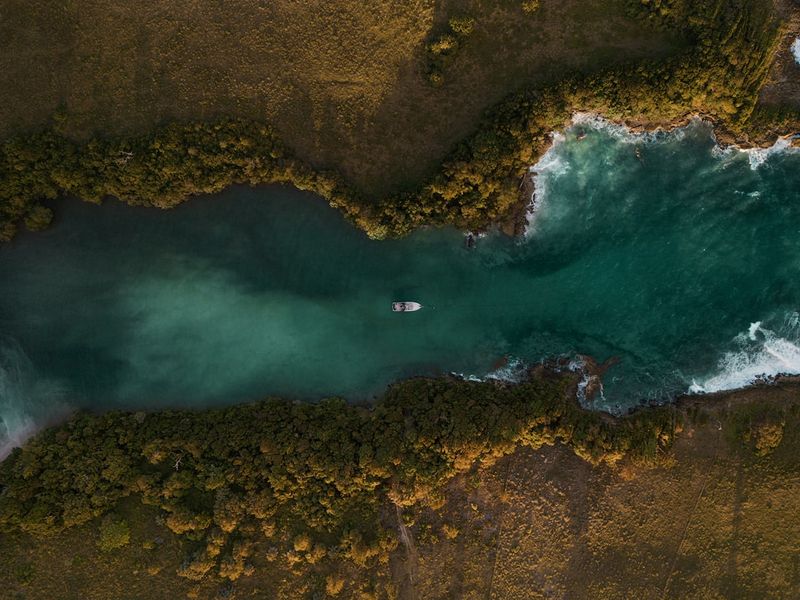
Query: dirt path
point(408, 577)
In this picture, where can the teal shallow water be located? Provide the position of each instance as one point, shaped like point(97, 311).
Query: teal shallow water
point(680, 260)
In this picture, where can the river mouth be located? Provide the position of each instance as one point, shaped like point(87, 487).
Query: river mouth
point(676, 259)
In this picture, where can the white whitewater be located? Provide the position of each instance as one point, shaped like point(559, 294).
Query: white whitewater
point(760, 355)
point(759, 156)
point(552, 165)
point(27, 403)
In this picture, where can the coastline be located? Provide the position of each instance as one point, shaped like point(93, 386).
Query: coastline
point(517, 222)
point(638, 521)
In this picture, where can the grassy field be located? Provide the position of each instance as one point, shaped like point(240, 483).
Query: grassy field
point(717, 518)
point(717, 522)
point(783, 86)
point(343, 82)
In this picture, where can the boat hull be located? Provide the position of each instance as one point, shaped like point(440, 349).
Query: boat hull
point(405, 306)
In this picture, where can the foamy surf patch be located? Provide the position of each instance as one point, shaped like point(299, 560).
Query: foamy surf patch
point(551, 165)
point(15, 429)
point(514, 371)
point(554, 164)
point(623, 133)
point(589, 381)
point(758, 156)
point(796, 50)
point(27, 404)
point(760, 356)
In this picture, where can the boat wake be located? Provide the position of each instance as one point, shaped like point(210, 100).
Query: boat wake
point(760, 355)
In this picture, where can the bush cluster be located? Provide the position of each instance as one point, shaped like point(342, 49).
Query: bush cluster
point(439, 52)
point(530, 6)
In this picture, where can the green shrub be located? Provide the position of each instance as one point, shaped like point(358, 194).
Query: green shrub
point(443, 45)
point(530, 6)
point(767, 436)
point(114, 533)
point(462, 26)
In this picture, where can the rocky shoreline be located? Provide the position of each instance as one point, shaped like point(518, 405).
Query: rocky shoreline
point(516, 222)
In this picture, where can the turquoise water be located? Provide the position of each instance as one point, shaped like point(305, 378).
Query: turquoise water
point(678, 259)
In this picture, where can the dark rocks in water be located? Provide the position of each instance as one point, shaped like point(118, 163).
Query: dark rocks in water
point(500, 363)
point(594, 374)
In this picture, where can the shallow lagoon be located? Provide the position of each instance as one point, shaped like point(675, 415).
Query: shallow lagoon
point(677, 258)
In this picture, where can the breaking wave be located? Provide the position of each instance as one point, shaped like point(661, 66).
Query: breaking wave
point(27, 403)
point(760, 355)
point(554, 164)
point(758, 156)
point(796, 50)
point(622, 133)
point(513, 371)
point(550, 165)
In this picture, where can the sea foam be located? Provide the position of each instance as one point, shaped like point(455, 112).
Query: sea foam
point(623, 133)
point(550, 165)
point(514, 371)
point(759, 355)
point(759, 156)
point(796, 50)
point(553, 164)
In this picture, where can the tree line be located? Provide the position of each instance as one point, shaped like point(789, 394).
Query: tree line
point(313, 476)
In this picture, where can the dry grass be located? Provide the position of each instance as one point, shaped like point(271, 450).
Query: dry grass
point(720, 522)
point(783, 84)
point(342, 81)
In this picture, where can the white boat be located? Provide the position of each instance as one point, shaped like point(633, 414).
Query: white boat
point(405, 306)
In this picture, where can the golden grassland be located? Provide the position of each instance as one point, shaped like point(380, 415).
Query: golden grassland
point(718, 516)
point(783, 84)
point(343, 83)
point(715, 521)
